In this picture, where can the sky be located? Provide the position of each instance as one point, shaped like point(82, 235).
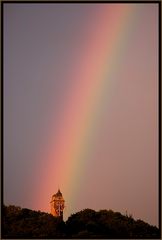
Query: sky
point(81, 107)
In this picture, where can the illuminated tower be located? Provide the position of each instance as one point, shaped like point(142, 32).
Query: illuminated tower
point(57, 204)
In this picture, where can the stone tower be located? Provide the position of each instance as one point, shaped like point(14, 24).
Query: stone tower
point(57, 204)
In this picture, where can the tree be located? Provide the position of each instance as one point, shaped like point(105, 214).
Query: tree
point(25, 223)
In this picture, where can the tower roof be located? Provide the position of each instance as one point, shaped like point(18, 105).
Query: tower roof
point(58, 194)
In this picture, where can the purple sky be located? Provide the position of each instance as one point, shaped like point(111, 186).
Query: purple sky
point(40, 45)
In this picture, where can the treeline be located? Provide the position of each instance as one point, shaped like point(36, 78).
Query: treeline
point(26, 223)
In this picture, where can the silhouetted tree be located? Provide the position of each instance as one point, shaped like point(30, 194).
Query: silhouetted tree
point(25, 223)
point(107, 224)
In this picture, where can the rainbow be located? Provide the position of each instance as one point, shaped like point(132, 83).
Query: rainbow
point(98, 59)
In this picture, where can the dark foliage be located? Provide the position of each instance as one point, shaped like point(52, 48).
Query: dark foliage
point(25, 223)
point(108, 224)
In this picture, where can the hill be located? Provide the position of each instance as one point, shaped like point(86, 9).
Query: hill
point(25, 223)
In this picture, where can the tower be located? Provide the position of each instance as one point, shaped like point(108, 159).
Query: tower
point(57, 204)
